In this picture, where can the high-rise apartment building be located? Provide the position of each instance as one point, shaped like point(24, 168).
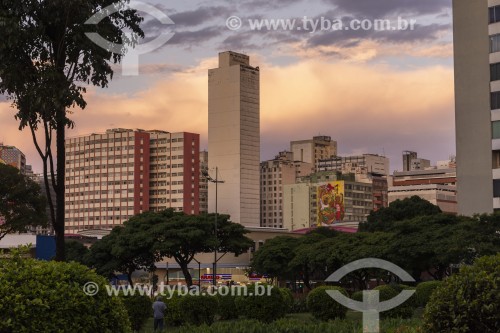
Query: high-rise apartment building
point(312, 151)
point(275, 174)
point(203, 182)
point(115, 175)
point(12, 156)
point(477, 104)
point(234, 138)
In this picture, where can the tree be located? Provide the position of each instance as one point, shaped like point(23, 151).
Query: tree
point(76, 251)
point(182, 236)
point(273, 258)
point(22, 204)
point(399, 210)
point(127, 248)
point(46, 64)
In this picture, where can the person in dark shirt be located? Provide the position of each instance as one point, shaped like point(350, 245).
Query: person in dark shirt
point(159, 314)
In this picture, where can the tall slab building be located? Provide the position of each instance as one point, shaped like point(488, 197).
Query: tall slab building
point(477, 99)
point(234, 138)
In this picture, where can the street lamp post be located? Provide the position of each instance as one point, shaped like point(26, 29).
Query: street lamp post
point(216, 181)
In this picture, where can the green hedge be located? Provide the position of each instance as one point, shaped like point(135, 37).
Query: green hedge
point(468, 301)
point(323, 306)
point(198, 310)
point(227, 309)
point(40, 296)
point(265, 308)
point(425, 290)
point(288, 300)
point(404, 310)
point(173, 314)
point(139, 309)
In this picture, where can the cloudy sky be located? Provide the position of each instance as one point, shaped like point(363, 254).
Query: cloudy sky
point(378, 92)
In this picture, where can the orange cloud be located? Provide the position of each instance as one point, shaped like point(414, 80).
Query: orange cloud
point(352, 102)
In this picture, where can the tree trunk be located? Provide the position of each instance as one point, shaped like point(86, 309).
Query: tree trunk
point(60, 189)
point(129, 277)
point(187, 275)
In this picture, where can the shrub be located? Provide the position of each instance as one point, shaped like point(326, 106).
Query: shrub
point(323, 306)
point(139, 309)
point(299, 305)
point(40, 296)
point(227, 307)
point(287, 296)
point(173, 314)
point(357, 296)
point(468, 301)
point(425, 290)
point(404, 310)
point(265, 308)
point(198, 310)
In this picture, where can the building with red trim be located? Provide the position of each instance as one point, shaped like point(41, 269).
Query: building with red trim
point(114, 175)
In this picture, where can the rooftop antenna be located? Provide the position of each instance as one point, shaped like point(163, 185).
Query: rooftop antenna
point(383, 151)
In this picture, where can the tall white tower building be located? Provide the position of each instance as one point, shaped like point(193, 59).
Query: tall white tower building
point(234, 138)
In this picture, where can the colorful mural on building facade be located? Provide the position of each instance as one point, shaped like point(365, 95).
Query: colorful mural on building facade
point(331, 207)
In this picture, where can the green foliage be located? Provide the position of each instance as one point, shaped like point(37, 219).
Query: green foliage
point(468, 301)
point(425, 290)
point(173, 314)
point(323, 306)
point(139, 309)
point(198, 310)
point(274, 256)
point(299, 305)
point(357, 296)
point(21, 202)
point(46, 65)
point(39, 296)
point(265, 308)
point(404, 310)
point(287, 296)
point(399, 210)
point(227, 307)
point(287, 325)
point(76, 251)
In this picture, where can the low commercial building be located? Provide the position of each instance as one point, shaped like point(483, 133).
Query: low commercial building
point(435, 184)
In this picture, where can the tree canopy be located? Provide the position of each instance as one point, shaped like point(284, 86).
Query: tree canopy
point(398, 210)
point(46, 64)
point(148, 237)
point(22, 204)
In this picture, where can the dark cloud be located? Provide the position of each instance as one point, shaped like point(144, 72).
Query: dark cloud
point(347, 37)
point(200, 15)
point(190, 38)
point(382, 8)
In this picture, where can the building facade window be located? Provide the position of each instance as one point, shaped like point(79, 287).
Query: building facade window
point(495, 72)
point(494, 14)
point(495, 129)
point(496, 188)
point(495, 43)
point(495, 100)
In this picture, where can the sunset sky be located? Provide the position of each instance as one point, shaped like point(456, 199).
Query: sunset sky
point(373, 92)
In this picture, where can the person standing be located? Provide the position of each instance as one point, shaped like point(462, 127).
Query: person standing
point(159, 308)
